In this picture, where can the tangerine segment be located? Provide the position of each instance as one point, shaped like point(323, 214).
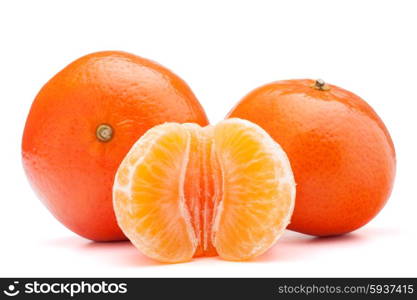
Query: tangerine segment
point(148, 195)
point(258, 190)
point(185, 191)
point(203, 187)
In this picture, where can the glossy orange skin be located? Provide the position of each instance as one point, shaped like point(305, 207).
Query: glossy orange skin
point(341, 153)
point(68, 167)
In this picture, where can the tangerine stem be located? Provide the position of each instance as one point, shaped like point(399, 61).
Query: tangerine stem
point(319, 84)
point(104, 133)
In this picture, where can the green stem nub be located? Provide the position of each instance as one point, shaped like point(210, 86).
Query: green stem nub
point(104, 133)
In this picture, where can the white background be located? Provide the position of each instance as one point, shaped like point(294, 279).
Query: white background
point(223, 49)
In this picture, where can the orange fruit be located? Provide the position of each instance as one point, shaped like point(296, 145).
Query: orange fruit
point(341, 153)
point(83, 122)
point(184, 191)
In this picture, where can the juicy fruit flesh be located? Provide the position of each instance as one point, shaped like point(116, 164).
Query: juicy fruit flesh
point(202, 186)
point(184, 191)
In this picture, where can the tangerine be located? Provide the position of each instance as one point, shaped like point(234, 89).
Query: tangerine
point(83, 122)
point(341, 153)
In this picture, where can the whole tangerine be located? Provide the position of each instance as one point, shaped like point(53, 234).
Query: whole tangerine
point(83, 122)
point(341, 153)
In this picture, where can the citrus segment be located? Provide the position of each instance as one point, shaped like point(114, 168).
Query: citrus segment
point(259, 190)
point(150, 206)
point(202, 185)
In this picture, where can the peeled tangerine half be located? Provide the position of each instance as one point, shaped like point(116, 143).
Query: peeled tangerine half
point(185, 191)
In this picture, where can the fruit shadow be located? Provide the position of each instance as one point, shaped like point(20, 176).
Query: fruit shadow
point(120, 253)
point(295, 246)
point(291, 247)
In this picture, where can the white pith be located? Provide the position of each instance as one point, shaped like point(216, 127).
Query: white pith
point(202, 209)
